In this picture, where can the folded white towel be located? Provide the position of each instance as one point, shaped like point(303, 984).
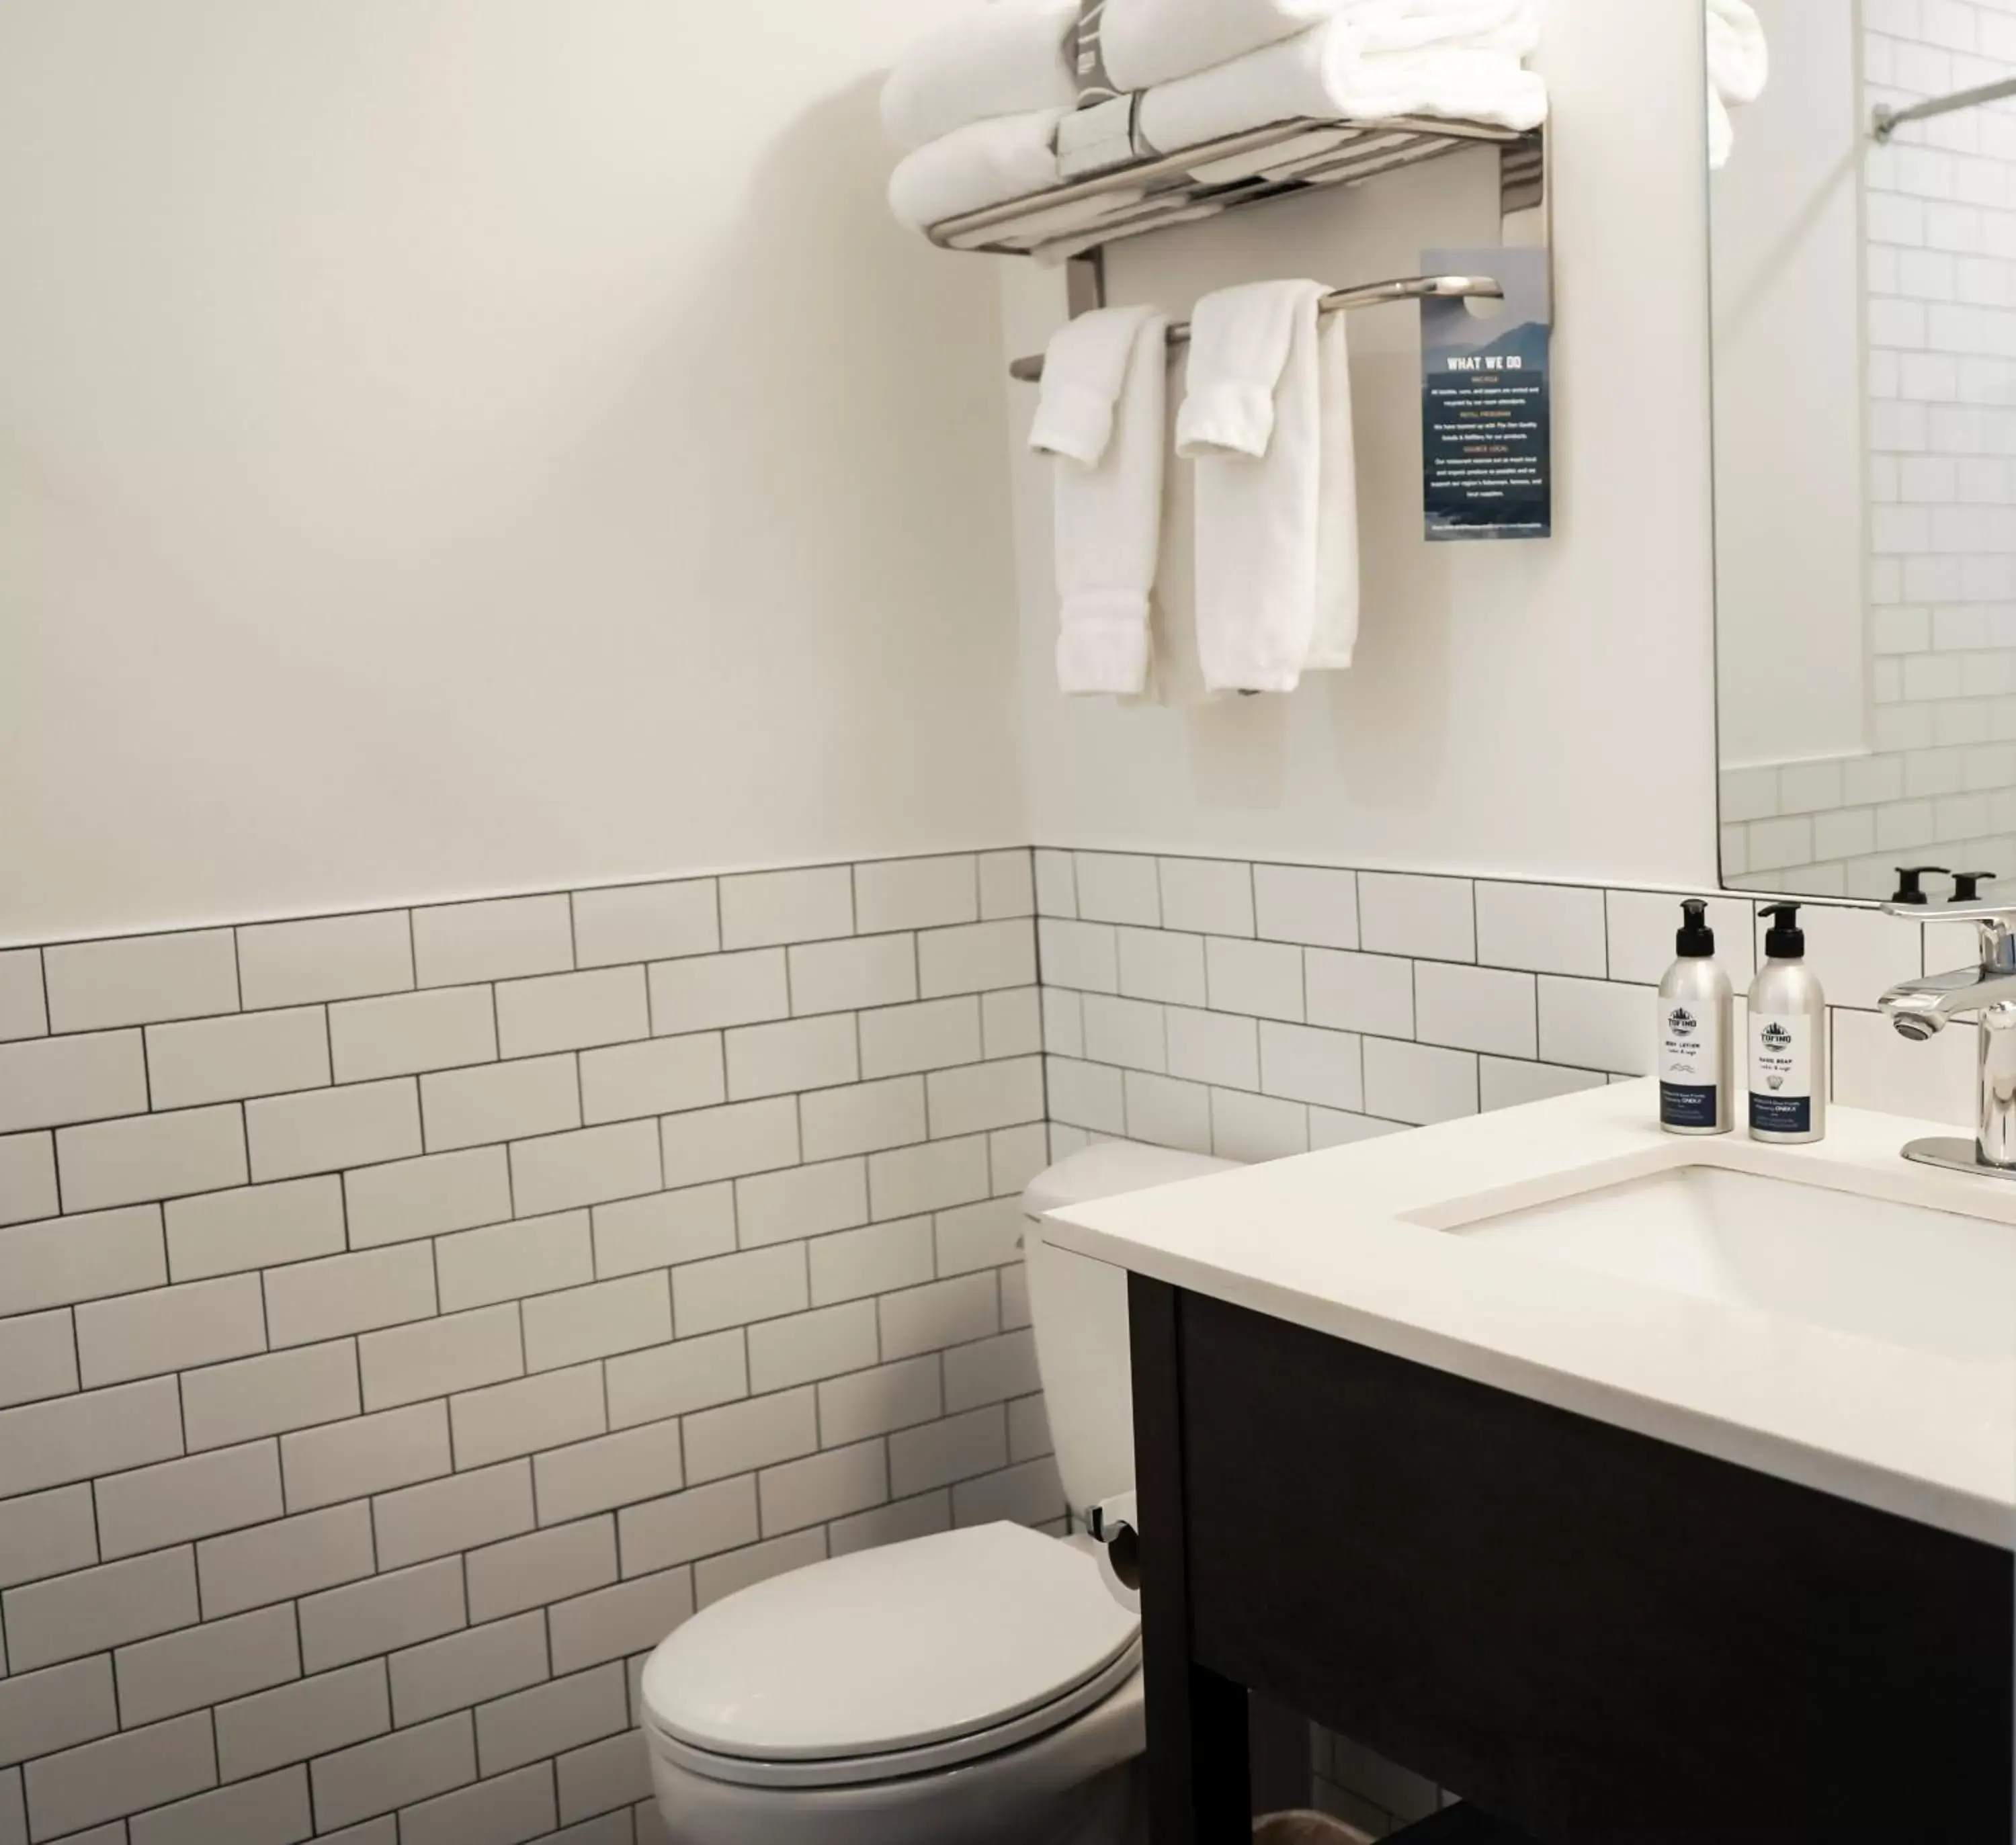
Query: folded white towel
point(1006, 58)
point(1322, 73)
point(1739, 65)
point(1267, 420)
point(1148, 42)
point(983, 164)
point(1102, 415)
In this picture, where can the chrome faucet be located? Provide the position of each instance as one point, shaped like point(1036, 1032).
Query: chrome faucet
point(1920, 1009)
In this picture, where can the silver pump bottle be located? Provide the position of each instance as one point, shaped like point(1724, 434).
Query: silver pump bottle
point(1696, 1047)
point(1788, 1038)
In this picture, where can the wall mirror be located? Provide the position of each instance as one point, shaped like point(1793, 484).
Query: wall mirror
point(1863, 215)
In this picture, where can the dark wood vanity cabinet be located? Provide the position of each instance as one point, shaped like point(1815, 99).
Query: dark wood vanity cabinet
point(1596, 1638)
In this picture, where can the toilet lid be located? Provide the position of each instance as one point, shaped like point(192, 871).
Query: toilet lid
point(890, 1649)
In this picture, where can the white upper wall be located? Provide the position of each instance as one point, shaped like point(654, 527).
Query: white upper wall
point(1541, 709)
point(450, 449)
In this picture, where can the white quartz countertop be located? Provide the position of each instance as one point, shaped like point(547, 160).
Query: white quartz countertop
point(1355, 1241)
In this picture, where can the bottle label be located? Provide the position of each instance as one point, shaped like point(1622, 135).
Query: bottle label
point(1690, 1054)
point(1781, 1074)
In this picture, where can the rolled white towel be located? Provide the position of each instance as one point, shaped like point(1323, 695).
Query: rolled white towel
point(1323, 75)
point(984, 164)
point(1739, 66)
point(1147, 42)
point(1006, 58)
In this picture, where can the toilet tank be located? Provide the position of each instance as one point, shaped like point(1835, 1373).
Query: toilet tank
point(1079, 1308)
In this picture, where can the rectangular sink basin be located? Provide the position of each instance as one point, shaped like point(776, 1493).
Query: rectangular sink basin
point(1931, 1281)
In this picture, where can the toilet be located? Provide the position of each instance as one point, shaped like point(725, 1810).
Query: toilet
point(980, 1685)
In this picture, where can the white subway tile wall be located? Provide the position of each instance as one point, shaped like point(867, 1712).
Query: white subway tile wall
point(409, 1318)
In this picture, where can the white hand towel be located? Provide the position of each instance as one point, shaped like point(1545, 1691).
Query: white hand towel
point(1323, 75)
point(1006, 58)
point(1270, 432)
point(1147, 42)
point(1102, 414)
point(1739, 65)
point(983, 164)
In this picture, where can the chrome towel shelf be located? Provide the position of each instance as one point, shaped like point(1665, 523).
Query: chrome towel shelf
point(1408, 288)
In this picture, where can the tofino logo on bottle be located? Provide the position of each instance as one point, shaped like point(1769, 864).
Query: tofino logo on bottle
point(1681, 1022)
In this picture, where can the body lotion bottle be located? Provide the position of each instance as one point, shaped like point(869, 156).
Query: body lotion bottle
point(1788, 1037)
point(1696, 1046)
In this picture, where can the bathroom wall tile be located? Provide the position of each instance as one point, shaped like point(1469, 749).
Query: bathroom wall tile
point(1165, 1113)
point(713, 991)
point(670, 1380)
point(1086, 1095)
point(227, 1059)
point(1127, 1032)
point(400, 1608)
point(326, 959)
point(913, 1179)
point(1082, 955)
point(741, 1437)
point(141, 979)
point(67, 1438)
point(169, 1329)
point(991, 1371)
point(974, 1236)
point(211, 1664)
point(443, 1028)
point(1031, 1493)
point(175, 1502)
point(1476, 1009)
point(1596, 1025)
point(798, 1054)
point(1007, 884)
point(522, 1418)
point(766, 908)
point(72, 1615)
point(150, 1156)
point(1369, 993)
point(663, 1076)
point(982, 1096)
point(1118, 887)
point(121, 1774)
point(597, 1321)
point(371, 1454)
point(1419, 1083)
point(1011, 1021)
point(23, 1011)
point(646, 923)
point(511, 1807)
point(324, 1131)
point(41, 1712)
point(630, 1618)
point(1157, 964)
point(1207, 896)
point(1055, 879)
point(1213, 1047)
point(1430, 918)
point(715, 1577)
point(1249, 1128)
point(504, 938)
point(942, 1314)
point(395, 1771)
point(570, 1711)
point(806, 1348)
point(466, 1108)
point(409, 1199)
point(917, 1517)
point(854, 972)
point(1264, 979)
point(1304, 1064)
point(1334, 1127)
point(571, 1011)
point(982, 957)
point(467, 1668)
point(311, 1301)
point(939, 1453)
point(721, 1143)
point(703, 1521)
point(46, 1534)
point(735, 1290)
point(591, 1165)
point(802, 1201)
point(273, 1811)
point(663, 1229)
point(255, 1226)
point(854, 1264)
point(429, 1521)
point(1505, 1083)
point(863, 1118)
point(508, 1261)
point(834, 1484)
point(290, 1390)
point(1064, 1020)
point(50, 1082)
point(898, 1041)
point(916, 893)
point(60, 1260)
point(436, 1357)
point(1642, 925)
point(37, 1357)
point(545, 1566)
point(1295, 902)
point(289, 1557)
point(278, 1727)
point(1873, 1068)
point(598, 1476)
point(1547, 928)
point(28, 1177)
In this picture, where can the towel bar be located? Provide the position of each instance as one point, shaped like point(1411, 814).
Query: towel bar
point(1407, 288)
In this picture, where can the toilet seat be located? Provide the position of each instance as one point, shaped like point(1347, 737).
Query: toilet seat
point(890, 1663)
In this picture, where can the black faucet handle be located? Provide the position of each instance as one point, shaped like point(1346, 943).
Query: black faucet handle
point(1967, 885)
point(1909, 874)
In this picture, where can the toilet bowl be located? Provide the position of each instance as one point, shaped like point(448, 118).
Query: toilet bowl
point(980, 1685)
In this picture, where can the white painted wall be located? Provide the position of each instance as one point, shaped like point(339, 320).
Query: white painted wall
point(1541, 709)
point(1791, 542)
point(452, 449)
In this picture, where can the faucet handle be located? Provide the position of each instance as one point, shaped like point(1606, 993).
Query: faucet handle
point(1967, 886)
point(1907, 882)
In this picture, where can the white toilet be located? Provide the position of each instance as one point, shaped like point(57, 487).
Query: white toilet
point(980, 1685)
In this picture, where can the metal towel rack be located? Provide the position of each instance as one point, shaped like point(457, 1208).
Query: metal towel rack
point(1885, 121)
point(1406, 287)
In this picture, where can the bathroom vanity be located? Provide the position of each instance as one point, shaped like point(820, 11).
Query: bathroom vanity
point(1638, 1490)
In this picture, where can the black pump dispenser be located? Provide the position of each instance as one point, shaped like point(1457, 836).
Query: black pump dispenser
point(1696, 940)
point(1967, 885)
point(1785, 940)
point(1908, 889)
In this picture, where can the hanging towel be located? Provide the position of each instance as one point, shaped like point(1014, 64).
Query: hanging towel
point(1148, 42)
point(983, 164)
point(1006, 58)
point(1739, 65)
point(1323, 75)
point(1102, 416)
point(1267, 420)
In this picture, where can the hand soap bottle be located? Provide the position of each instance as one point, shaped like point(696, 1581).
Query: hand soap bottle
point(1788, 1037)
point(1696, 1053)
